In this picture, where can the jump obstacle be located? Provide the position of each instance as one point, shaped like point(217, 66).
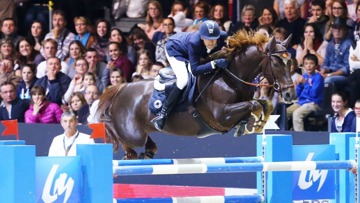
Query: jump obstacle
point(88, 177)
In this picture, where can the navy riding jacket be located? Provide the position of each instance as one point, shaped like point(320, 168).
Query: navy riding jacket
point(188, 46)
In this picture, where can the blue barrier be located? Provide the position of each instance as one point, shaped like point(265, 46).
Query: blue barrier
point(85, 178)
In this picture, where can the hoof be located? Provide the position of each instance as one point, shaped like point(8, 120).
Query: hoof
point(130, 156)
point(267, 109)
point(250, 125)
point(146, 155)
point(240, 129)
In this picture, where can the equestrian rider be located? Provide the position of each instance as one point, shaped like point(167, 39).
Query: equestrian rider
point(184, 51)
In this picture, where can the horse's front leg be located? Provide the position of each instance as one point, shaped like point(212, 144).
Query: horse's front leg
point(254, 112)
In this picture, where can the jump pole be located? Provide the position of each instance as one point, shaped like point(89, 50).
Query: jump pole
point(285, 166)
point(215, 160)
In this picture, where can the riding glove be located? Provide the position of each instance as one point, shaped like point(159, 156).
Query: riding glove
point(221, 63)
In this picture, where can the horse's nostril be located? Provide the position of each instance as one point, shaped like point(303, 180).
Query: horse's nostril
point(287, 95)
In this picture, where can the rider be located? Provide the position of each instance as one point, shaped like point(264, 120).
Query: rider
point(184, 51)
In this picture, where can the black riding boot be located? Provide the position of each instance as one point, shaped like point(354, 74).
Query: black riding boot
point(168, 105)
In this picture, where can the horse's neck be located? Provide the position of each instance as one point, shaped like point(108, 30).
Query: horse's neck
point(245, 69)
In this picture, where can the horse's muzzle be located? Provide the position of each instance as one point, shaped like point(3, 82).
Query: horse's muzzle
point(288, 95)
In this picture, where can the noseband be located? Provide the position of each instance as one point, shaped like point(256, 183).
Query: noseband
point(276, 85)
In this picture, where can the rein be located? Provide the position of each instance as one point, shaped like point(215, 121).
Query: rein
point(275, 85)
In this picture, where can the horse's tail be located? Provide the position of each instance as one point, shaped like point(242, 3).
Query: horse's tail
point(104, 113)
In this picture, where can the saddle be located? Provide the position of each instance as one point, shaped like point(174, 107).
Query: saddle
point(162, 86)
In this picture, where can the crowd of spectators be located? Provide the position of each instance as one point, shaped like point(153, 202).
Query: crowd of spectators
point(44, 72)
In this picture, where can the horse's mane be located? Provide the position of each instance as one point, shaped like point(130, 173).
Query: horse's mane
point(243, 39)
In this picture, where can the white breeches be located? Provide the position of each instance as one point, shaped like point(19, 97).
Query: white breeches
point(180, 70)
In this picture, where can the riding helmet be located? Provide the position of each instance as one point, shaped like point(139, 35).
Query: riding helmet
point(209, 30)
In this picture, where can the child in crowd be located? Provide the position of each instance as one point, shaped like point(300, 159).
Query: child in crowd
point(88, 79)
point(77, 101)
point(155, 68)
point(344, 115)
point(309, 90)
point(144, 64)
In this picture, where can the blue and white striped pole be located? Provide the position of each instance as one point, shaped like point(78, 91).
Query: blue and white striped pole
point(215, 160)
point(218, 199)
point(231, 168)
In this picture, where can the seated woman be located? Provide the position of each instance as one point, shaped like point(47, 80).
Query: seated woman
point(79, 81)
point(116, 35)
point(219, 14)
point(201, 12)
point(154, 19)
point(41, 110)
point(36, 34)
point(82, 29)
point(344, 115)
point(28, 80)
point(139, 40)
point(160, 39)
point(7, 49)
point(27, 53)
point(116, 77)
point(119, 60)
point(248, 22)
point(265, 92)
point(268, 17)
point(312, 43)
point(102, 36)
point(76, 50)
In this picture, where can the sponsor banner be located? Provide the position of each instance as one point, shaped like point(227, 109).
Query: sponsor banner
point(58, 179)
point(314, 184)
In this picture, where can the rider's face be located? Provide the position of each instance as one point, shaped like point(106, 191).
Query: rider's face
point(210, 44)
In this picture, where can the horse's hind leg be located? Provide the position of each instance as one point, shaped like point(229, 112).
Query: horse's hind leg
point(150, 149)
point(130, 153)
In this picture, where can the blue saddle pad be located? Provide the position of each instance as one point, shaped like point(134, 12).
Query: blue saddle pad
point(186, 99)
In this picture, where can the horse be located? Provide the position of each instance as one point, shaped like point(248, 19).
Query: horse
point(225, 98)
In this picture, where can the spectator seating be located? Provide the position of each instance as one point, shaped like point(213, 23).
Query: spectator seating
point(318, 120)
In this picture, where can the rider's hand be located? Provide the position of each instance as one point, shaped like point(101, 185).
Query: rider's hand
point(221, 63)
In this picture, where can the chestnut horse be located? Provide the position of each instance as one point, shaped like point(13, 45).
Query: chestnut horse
point(227, 98)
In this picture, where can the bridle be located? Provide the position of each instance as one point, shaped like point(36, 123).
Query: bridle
point(276, 85)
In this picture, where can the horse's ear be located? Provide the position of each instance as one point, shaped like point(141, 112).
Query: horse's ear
point(286, 42)
point(271, 45)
